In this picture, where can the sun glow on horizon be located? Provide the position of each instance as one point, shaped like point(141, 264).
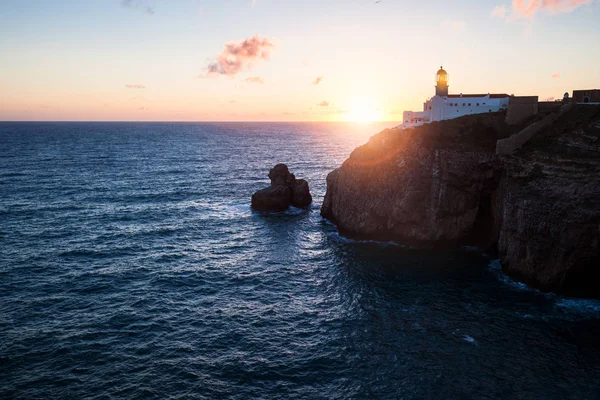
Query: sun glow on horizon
point(364, 110)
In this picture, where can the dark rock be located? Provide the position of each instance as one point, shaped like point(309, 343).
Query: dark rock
point(550, 215)
point(442, 185)
point(285, 190)
point(279, 175)
point(301, 196)
point(422, 186)
point(272, 198)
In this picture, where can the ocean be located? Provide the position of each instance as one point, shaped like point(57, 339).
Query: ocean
point(132, 266)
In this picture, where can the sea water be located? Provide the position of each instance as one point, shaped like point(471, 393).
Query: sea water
point(131, 266)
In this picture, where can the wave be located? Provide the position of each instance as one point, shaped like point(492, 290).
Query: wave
point(569, 304)
point(338, 237)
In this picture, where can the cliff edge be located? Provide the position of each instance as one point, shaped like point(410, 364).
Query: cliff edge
point(442, 185)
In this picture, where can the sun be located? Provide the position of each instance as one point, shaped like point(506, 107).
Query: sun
point(363, 110)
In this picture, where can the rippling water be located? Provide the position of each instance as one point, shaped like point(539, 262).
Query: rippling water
point(131, 266)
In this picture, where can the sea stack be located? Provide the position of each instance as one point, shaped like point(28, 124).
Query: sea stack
point(285, 191)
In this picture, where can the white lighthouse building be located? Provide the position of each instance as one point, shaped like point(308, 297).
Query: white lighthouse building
point(445, 106)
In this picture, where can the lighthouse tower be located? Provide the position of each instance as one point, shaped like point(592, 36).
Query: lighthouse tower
point(441, 83)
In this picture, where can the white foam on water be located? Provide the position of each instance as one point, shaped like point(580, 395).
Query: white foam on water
point(495, 267)
point(337, 236)
point(586, 306)
point(568, 304)
point(469, 339)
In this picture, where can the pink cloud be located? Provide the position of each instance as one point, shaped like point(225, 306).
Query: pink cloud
point(499, 11)
point(528, 8)
point(456, 25)
point(323, 104)
point(318, 80)
point(556, 76)
point(254, 79)
point(135, 86)
point(237, 56)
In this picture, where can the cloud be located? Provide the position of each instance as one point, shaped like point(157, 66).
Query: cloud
point(499, 11)
point(528, 8)
point(549, 99)
point(254, 79)
point(237, 56)
point(324, 104)
point(318, 80)
point(556, 76)
point(138, 4)
point(456, 25)
point(135, 86)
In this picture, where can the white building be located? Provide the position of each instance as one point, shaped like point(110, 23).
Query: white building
point(444, 106)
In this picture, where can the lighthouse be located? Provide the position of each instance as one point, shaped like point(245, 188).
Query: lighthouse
point(445, 106)
point(441, 83)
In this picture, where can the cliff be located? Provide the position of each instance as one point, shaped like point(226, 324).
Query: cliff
point(442, 185)
point(550, 216)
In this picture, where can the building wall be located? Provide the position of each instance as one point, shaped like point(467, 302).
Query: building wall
point(592, 95)
point(520, 108)
point(548, 106)
point(439, 109)
point(455, 107)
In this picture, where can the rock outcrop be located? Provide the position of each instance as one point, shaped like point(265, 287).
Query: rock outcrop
point(442, 185)
point(285, 191)
point(550, 222)
point(431, 186)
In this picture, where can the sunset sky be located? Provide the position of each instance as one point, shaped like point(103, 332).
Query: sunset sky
point(283, 60)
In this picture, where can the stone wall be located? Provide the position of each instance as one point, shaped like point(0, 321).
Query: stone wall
point(520, 108)
point(545, 107)
point(591, 95)
point(515, 142)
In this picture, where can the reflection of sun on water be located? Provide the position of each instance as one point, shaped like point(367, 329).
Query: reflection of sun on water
point(363, 110)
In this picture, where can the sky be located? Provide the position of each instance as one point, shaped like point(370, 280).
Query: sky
point(283, 60)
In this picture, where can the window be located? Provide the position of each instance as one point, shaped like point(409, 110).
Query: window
point(477, 104)
point(469, 104)
point(463, 104)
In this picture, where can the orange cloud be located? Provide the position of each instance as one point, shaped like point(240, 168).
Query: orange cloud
point(318, 80)
point(238, 56)
point(135, 86)
point(254, 79)
point(528, 8)
point(556, 76)
point(323, 104)
point(456, 25)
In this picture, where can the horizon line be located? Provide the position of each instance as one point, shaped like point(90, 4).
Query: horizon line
point(195, 122)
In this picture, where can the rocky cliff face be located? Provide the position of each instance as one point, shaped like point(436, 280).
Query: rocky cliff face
point(550, 216)
point(442, 185)
point(425, 186)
